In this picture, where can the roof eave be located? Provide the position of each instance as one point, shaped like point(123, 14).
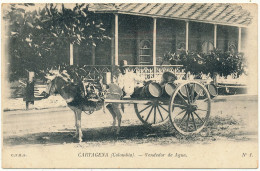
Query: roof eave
point(105, 11)
point(166, 17)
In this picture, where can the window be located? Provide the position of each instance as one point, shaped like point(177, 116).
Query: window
point(207, 47)
point(181, 46)
point(232, 48)
point(145, 53)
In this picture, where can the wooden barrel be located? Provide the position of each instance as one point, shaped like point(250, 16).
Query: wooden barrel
point(212, 90)
point(197, 89)
point(152, 89)
point(168, 89)
point(183, 91)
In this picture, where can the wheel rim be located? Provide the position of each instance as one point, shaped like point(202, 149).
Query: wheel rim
point(190, 114)
point(155, 113)
point(212, 90)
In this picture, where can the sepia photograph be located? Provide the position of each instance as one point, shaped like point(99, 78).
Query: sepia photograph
point(129, 85)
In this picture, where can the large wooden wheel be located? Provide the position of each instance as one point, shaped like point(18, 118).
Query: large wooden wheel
point(190, 114)
point(154, 113)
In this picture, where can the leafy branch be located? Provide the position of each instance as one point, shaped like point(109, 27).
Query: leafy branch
point(38, 37)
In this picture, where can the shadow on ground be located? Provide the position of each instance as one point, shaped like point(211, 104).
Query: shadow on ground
point(90, 135)
point(218, 128)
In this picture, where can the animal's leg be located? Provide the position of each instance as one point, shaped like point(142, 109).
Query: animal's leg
point(76, 119)
point(111, 111)
point(118, 115)
point(79, 124)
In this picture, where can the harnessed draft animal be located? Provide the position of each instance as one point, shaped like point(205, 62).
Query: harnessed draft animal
point(80, 97)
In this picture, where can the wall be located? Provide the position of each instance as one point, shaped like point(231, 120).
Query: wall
point(227, 35)
point(144, 27)
point(165, 38)
point(222, 38)
point(232, 37)
point(180, 36)
point(103, 49)
point(244, 35)
point(127, 38)
point(201, 37)
point(83, 53)
point(133, 30)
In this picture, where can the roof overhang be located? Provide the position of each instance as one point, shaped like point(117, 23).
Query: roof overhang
point(232, 10)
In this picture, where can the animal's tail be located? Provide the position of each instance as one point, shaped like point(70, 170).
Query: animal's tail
point(123, 107)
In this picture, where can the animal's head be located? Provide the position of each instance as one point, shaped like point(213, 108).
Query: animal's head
point(52, 86)
point(51, 74)
point(55, 78)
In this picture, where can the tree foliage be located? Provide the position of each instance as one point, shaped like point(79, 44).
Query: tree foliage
point(38, 37)
point(224, 63)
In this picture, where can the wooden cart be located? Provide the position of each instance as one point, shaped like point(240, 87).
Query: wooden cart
point(188, 113)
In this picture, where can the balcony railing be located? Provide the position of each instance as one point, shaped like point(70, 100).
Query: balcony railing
point(92, 72)
point(150, 72)
point(147, 72)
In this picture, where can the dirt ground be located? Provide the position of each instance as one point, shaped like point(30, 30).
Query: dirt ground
point(233, 120)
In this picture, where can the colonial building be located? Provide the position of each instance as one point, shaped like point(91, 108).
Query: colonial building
point(141, 33)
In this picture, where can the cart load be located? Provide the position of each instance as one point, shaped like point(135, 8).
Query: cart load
point(185, 104)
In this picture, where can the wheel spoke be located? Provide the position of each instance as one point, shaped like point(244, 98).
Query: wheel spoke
point(182, 98)
point(192, 92)
point(189, 112)
point(187, 122)
point(160, 113)
point(145, 108)
point(149, 114)
point(163, 108)
point(179, 105)
point(198, 95)
point(202, 110)
point(188, 94)
point(193, 120)
point(182, 119)
point(199, 117)
point(154, 119)
point(181, 112)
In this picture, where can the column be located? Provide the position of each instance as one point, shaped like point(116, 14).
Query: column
point(71, 54)
point(215, 36)
point(116, 39)
point(112, 42)
point(154, 41)
point(239, 40)
point(93, 54)
point(187, 36)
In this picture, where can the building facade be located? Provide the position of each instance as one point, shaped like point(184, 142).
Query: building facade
point(141, 33)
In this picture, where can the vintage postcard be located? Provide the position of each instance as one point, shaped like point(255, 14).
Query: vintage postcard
point(129, 85)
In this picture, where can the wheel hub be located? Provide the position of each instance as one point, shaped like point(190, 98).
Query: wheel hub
point(192, 108)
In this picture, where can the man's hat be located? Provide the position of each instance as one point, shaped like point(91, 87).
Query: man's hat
point(123, 63)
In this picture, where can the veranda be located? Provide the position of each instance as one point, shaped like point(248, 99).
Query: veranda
point(142, 33)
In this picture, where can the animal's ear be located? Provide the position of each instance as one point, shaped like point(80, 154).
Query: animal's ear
point(51, 70)
point(59, 68)
point(49, 76)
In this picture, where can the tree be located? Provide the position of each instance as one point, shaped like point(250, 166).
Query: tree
point(38, 36)
point(224, 63)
